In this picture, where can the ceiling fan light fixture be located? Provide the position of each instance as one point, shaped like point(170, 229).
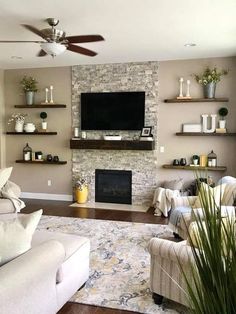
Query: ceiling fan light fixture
point(53, 49)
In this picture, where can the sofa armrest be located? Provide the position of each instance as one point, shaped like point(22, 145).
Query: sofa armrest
point(15, 188)
point(28, 283)
point(175, 251)
point(180, 201)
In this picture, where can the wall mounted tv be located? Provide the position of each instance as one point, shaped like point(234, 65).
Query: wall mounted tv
point(112, 111)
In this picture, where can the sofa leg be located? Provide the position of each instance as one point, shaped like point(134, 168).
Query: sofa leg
point(82, 287)
point(176, 235)
point(157, 298)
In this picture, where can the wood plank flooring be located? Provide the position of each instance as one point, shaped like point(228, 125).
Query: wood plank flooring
point(60, 208)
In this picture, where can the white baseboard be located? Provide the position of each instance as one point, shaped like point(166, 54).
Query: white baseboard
point(46, 196)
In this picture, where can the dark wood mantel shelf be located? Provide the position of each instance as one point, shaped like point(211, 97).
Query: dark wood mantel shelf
point(43, 162)
point(175, 100)
point(119, 145)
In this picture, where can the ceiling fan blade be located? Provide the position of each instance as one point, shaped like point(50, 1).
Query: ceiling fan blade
point(35, 31)
point(84, 38)
point(81, 50)
point(22, 41)
point(41, 53)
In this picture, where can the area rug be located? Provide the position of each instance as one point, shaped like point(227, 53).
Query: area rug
point(119, 263)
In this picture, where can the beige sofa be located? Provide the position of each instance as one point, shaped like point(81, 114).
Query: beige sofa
point(6, 205)
point(44, 278)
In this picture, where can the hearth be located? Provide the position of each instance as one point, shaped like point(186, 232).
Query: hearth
point(113, 186)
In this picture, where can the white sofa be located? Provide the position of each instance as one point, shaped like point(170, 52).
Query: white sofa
point(44, 278)
point(6, 205)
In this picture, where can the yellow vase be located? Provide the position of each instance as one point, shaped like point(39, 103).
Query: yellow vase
point(81, 195)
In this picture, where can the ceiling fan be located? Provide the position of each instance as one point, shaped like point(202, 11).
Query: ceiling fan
point(56, 42)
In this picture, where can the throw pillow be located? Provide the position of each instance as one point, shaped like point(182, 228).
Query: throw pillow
point(214, 195)
point(16, 235)
point(174, 184)
point(4, 176)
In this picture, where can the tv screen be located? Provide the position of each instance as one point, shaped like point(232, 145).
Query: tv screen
point(112, 111)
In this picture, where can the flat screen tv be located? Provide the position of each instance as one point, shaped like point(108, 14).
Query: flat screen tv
point(112, 111)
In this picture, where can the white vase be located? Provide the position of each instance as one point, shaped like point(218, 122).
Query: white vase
point(44, 125)
point(19, 126)
point(222, 124)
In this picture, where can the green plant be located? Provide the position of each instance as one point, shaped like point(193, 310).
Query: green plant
point(212, 286)
point(81, 182)
point(195, 157)
point(29, 84)
point(210, 75)
point(43, 115)
point(223, 112)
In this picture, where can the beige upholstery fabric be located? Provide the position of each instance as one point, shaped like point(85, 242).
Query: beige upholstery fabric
point(16, 235)
point(166, 277)
point(5, 174)
point(14, 203)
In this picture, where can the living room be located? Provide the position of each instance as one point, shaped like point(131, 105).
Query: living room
point(139, 53)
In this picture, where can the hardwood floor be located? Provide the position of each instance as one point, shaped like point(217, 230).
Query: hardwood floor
point(60, 208)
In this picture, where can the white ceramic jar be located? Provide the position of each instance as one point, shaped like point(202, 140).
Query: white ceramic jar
point(29, 127)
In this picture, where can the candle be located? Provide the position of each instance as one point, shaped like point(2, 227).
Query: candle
point(51, 98)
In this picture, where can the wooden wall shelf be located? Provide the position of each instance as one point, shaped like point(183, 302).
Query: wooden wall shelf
point(219, 168)
point(41, 106)
point(31, 133)
point(119, 145)
point(203, 134)
point(175, 100)
point(42, 162)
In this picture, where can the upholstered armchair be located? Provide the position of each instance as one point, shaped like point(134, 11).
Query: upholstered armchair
point(166, 277)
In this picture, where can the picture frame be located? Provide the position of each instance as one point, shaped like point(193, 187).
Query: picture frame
point(146, 131)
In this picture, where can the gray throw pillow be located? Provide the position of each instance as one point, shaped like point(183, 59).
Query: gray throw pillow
point(174, 184)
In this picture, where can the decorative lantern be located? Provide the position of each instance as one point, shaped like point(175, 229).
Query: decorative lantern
point(212, 159)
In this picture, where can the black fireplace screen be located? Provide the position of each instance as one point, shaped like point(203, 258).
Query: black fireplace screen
point(113, 186)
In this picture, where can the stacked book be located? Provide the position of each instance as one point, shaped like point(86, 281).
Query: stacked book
point(221, 130)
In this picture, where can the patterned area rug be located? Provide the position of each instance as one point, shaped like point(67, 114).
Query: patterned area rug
point(119, 263)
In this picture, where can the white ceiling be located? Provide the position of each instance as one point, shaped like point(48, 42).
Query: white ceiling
point(134, 30)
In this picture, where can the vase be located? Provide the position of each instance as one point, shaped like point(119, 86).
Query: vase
point(29, 97)
point(44, 126)
point(81, 195)
point(209, 90)
point(19, 126)
point(222, 124)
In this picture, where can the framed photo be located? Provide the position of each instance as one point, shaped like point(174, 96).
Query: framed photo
point(146, 131)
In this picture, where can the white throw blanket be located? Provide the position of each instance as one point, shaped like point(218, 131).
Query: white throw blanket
point(162, 200)
point(8, 192)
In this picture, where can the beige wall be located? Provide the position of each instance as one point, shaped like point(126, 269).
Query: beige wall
point(2, 121)
point(172, 115)
point(33, 178)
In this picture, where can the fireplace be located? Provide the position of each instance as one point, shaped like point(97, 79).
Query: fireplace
point(113, 186)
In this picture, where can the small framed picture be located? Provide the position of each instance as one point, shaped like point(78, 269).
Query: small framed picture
point(146, 131)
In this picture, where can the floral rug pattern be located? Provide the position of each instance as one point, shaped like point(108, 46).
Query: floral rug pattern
point(119, 263)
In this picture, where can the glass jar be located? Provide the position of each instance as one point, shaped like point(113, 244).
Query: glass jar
point(27, 153)
point(212, 159)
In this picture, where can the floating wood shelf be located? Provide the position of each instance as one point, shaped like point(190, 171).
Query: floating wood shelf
point(120, 145)
point(219, 168)
point(42, 162)
point(175, 100)
point(31, 133)
point(41, 106)
point(203, 134)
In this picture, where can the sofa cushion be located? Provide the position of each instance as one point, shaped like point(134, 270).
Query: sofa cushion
point(16, 235)
point(4, 176)
point(174, 184)
point(211, 195)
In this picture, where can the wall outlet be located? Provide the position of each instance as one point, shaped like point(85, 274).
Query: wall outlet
point(49, 182)
point(162, 149)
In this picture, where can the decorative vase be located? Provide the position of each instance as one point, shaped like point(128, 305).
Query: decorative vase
point(209, 90)
point(81, 195)
point(29, 96)
point(222, 124)
point(19, 126)
point(44, 125)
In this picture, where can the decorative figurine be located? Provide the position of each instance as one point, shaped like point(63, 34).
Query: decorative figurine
point(51, 98)
point(181, 80)
point(204, 123)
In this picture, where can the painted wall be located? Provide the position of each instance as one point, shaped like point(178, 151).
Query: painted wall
point(171, 116)
point(2, 121)
point(34, 178)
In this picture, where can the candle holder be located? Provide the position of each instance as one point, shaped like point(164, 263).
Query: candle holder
point(51, 95)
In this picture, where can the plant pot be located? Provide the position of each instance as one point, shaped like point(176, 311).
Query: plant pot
point(81, 195)
point(19, 126)
point(29, 97)
point(209, 90)
point(44, 125)
point(222, 124)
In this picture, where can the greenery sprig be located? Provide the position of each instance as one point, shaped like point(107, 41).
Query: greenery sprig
point(210, 75)
point(29, 84)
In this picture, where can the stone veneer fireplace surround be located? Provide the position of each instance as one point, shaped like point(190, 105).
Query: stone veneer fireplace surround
point(108, 78)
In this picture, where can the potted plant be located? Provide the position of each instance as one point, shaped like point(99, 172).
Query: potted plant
point(195, 160)
point(209, 79)
point(29, 85)
point(81, 190)
point(19, 119)
point(43, 116)
point(222, 113)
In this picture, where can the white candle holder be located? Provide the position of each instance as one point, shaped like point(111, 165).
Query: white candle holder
point(188, 89)
point(46, 95)
point(51, 96)
point(181, 80)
